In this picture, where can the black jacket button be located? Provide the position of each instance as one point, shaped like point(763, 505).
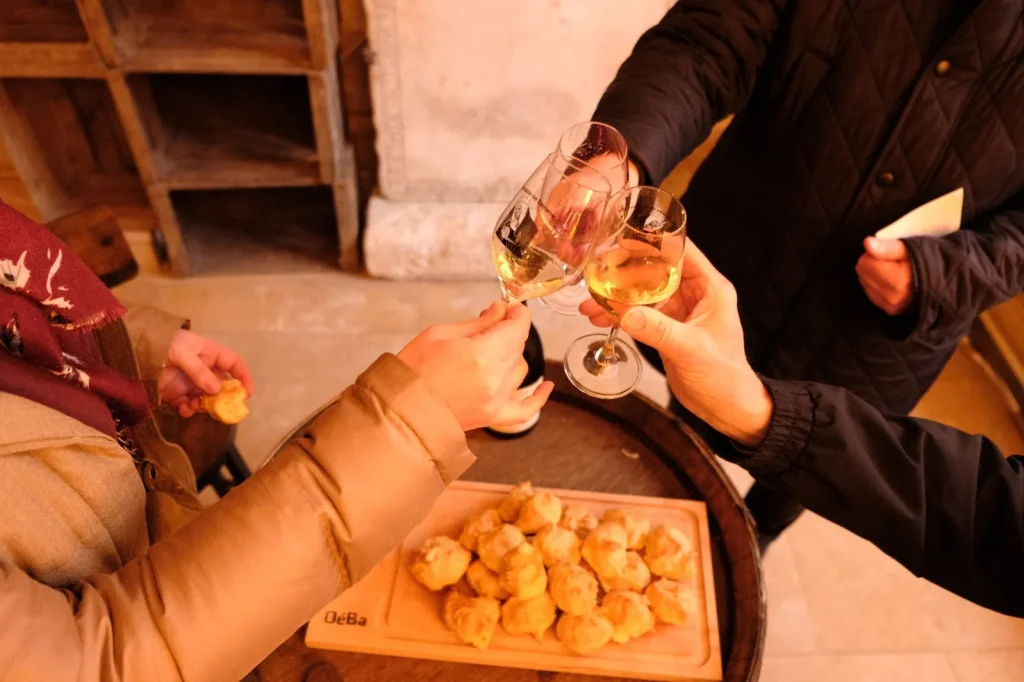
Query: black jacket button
point(885, 180)
point(942, 68)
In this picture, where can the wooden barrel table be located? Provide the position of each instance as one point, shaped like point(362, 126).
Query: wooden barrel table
point(627, 446)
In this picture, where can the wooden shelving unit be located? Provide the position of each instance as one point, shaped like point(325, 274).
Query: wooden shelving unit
point(41, 21)
point(64, 137)
point(228, 36)
point(45, 38)
point(303, 232)
point(212, 132)
point(165, 109)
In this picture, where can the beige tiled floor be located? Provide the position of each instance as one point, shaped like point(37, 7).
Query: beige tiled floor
point(839, 610)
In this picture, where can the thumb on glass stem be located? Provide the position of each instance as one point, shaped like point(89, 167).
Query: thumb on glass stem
point(650, 326)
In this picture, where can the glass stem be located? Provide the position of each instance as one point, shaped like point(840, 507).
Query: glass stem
point(606, 355)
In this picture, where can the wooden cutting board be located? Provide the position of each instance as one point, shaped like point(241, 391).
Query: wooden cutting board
point(389, 613)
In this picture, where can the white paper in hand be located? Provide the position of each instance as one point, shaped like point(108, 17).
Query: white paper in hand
point(937, 218)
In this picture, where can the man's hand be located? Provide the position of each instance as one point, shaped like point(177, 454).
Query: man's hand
point(698, 334)
point(885, 274)
point(192, 370)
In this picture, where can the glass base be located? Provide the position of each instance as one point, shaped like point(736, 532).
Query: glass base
point(602, 379)
point(567, 300)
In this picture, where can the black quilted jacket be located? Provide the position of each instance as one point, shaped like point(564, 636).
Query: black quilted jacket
point(849, 113)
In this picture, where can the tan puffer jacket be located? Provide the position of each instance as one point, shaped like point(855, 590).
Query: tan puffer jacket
point(105, 577)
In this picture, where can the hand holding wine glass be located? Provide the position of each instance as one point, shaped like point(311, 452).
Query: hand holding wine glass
point(636, 261)
point(698, 334)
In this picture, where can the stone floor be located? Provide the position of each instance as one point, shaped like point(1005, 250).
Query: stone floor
point(839, 610)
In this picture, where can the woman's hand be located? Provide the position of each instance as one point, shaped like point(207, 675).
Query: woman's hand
point(193, 366)
point(476, 367)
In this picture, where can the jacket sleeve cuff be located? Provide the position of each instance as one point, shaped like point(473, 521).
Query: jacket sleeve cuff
point(928, 264)
point(788, 433)
point(902, 326)
point(151, 331)
point(426, 414)
point(647, 146)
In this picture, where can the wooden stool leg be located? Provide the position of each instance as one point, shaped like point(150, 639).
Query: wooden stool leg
point(231, 460)
point(221, 485)
point(236, 465)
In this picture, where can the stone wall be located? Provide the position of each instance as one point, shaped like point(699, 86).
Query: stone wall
point(469, 96)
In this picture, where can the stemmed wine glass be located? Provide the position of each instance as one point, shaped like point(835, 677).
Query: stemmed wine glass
point(636, 260)
point(601, 149)
point(543, 236)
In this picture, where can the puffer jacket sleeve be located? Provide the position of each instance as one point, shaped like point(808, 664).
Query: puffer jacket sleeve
point(963, 274)
point(215, 598)
point(698, 65)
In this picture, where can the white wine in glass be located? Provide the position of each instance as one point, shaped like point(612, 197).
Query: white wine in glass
point(636, 261)
point(543, 236)
point(631, 274)
point(527, 271)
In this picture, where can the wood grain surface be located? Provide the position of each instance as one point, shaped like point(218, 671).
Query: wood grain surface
point(627, 446)
point(390, 613)
point(67, 59)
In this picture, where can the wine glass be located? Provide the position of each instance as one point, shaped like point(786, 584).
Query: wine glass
point(636, 261)
point(602, 149)
point(543, 236)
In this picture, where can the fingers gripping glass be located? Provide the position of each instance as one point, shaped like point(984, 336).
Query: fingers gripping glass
point(543, 236)
point(636, 261)
point(600, 149)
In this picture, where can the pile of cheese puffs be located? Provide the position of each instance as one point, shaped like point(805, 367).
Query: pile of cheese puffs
point(532, 562)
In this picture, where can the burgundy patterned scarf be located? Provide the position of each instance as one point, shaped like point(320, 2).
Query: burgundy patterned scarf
point(49, 304)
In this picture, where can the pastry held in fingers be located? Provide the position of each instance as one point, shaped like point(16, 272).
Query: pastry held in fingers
point(230, 405)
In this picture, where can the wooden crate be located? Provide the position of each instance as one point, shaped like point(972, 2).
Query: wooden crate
point(122, 102)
